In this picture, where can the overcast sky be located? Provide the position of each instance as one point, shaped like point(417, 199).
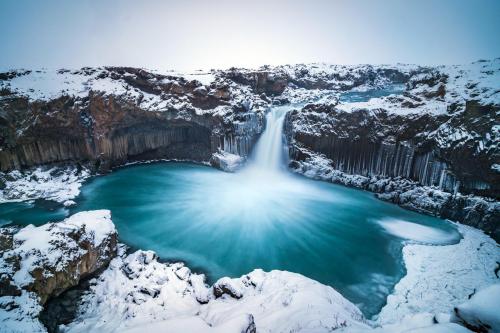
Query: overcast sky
point(192, 34)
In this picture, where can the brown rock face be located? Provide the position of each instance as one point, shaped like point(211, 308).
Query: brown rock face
point(106, 129)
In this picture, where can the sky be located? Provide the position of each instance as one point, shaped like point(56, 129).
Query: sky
point(197, 34)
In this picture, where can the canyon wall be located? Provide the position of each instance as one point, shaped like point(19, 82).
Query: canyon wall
point(103, 130)
point(380, 144)
point(421, 162)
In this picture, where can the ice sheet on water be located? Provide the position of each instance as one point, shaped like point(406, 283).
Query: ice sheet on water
point(417, 232)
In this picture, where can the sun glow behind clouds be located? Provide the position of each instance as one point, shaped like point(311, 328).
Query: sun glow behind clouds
point(193, 34)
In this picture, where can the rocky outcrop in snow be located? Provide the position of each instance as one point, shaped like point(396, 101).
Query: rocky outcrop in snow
point(480, 312)
point(434, 148)
point(139, 293)
point(38, 263)
point(60, 184)
point(453, 152)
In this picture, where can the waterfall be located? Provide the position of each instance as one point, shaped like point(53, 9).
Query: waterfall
point(269, 154)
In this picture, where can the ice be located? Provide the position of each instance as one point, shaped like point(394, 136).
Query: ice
point(416, 232)
point(441, 277)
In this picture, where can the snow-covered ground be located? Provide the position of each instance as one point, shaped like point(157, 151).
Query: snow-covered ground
point(441, 277)
point(138, 293)
point(480, 312)
point(434, 91)
point(56, 184)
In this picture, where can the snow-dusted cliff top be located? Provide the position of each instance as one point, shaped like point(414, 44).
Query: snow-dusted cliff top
point(428, 89)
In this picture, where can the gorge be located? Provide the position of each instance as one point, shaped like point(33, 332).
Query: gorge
point(431, 147)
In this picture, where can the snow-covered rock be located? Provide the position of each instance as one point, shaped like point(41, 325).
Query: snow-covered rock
point(60, 184)
point(227, 161)
point(481, 313)
point(37, 263)
point(137, 293)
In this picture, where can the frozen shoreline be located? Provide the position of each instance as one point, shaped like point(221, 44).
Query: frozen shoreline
point(137, 292)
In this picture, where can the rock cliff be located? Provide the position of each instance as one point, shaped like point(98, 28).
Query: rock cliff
point(433, 146)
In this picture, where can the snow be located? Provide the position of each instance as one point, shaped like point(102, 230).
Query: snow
point(45, 85)
point(38, 246)
point(96, 222)
point(419, 323)
point(433, 106)
point(46, 249)
point(18, 314)
point(301, 95)
point(205, 78)
point(227, 161)
point(441, 277)
point(276, 301)
point(476, 81)
point(56, 184)
point(482, 310)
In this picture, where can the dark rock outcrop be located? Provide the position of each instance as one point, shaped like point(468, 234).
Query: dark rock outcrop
point(419, 147)
point(39, 263)
point(439, 165)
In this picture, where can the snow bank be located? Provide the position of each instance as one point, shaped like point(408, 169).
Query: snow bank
point(441, 277)
point(57, 184)
point(482, 311)
point(139, 293)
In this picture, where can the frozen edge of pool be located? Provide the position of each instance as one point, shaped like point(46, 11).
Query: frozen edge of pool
point(439, 277)
point(137, 292)
point(426, 265)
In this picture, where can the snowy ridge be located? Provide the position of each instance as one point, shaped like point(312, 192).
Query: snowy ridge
point(440, 90)
point(153, 90)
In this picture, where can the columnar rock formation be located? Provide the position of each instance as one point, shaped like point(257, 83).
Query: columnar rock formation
point(440, 132)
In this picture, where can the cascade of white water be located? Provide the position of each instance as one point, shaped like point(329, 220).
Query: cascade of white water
point(269, 151)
